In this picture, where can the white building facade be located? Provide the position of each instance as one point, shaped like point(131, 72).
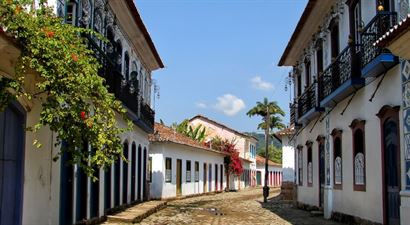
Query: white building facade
point(48, 192)
point(288, 154)
point(181, 167)
point(348, 112)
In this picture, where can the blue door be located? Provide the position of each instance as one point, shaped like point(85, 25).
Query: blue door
point(12, 122)
point(125, 174)
point(139, 174)
point(144, 176)
point(133, 168)
point(210, 178)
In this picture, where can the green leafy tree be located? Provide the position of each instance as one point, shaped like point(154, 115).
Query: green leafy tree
point(274, 153)
point(76, 104)
point(196, 133)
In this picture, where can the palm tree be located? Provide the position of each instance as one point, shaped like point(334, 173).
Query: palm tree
point(269, 111)
point(275, 123)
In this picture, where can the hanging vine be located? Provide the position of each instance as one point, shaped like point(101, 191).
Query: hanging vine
point(75, 102)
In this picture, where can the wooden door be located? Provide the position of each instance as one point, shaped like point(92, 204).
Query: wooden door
point(95, 194)
point(258, 178)
point(179, 177)
point(66, 189)
point(117, 167)
point(144, 175)
point(133, 168)
point(12, 122)
point(391, 171)
point(210, 178)
point(139, 165)
point(222, 177)
point(107, 189)
point(125, 174)
point(205, 174)
point(321, 174)
point(216, 177)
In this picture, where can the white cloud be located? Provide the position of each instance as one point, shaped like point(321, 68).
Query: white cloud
point(229, 104)
point(260, 84)
point(201, 105)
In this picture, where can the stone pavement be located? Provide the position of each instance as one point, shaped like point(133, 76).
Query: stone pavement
point(236, 208)
point(136, 213)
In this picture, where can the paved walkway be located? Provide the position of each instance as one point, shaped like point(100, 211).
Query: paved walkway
point(237, 208)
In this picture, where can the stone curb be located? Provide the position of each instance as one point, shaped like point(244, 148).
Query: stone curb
point(137, 213)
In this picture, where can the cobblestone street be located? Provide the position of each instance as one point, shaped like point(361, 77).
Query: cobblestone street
point(244, 207)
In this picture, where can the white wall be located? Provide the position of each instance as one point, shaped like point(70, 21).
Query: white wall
point(261, 168)
point(346, 200)
point(288, 160)
point(41, 195)
point(159, 151)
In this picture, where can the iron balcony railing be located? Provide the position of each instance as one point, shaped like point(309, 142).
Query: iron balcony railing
point(342, 69)
point(293, 113)
point(307, 100)
point(378, 26)
point(147, 114)
point(125, 91)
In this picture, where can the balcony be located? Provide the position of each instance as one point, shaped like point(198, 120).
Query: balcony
point(125, 91)
point(308, 105)
point(293, 113)
point(147, 115)
point(341, 78)
point(377, 60)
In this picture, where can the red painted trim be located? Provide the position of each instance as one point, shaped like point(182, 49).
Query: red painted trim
point(337, 133)
point(321, 141)
point(385, 113)
point(359, 125)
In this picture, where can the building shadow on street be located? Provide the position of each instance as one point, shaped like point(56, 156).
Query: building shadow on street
point(286, 210)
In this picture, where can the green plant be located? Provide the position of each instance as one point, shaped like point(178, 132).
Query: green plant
point(75, 102)
point(198, 133)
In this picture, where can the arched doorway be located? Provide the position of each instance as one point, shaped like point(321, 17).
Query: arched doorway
point(95, 193)
point(321, 152)
point(66, 189)
point(144, 175)
point(117, 168)
point(139, 173)
point(389, 124)
point(107, 188)
point(133, 168)
point(125, 174)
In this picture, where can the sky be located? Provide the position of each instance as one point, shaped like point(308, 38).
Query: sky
point(220, 56)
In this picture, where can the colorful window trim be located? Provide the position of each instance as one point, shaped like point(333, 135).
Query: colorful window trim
point(309, 163)
point(337, 158)
point(359, 155)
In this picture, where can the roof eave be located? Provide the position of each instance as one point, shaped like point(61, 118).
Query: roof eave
point(306, 13)
point(147, 36)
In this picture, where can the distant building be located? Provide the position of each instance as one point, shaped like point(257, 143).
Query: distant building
point(245, 144)
point(274, 172)
point(351, 109)
point(180, 166)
